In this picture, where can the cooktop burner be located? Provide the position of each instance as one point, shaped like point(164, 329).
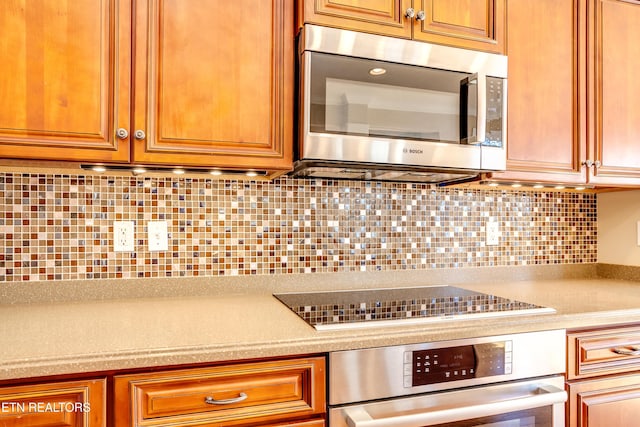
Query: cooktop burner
point(384, 307)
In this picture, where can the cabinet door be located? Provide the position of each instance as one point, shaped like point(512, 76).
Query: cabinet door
point(63, 404)
point(604, 402)
point(65, 79)
point(546, 138)
point(373, 16)
point(214, 83)
point(471, 24)
point(613, 42)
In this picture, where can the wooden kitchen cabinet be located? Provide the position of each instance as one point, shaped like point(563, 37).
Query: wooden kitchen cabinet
point(182, 82)
point(572, 87)
point(214, 83)
point(278, 393)
point(614, 123)
point(65, 79)
point(471, 24)
point(73, 403)
point(603, 373)
point(546, 112)
point(605, 402)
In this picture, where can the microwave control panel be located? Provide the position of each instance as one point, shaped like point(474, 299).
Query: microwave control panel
point(441, 365)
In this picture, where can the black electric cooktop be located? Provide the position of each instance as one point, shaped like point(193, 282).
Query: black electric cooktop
point(384, 307)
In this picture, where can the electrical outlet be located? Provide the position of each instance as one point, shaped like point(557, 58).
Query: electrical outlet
point(157, 236)
point(123, 236)
point(492, 233)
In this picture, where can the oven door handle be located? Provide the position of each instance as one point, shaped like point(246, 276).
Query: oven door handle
point(540, 397)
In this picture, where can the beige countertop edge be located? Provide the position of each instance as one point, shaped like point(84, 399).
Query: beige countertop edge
point(317, 342)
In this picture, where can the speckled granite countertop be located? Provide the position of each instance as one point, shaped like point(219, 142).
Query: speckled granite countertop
point(114, 325)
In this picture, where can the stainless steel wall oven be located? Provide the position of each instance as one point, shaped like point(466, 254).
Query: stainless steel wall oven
point(499, 381)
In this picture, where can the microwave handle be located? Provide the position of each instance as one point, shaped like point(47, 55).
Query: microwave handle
point(480, 81)
point(543, 396)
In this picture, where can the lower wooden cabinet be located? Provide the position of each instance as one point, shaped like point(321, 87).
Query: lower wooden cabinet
point(275, 393)
point(605, 402)
point(603, 374)
point(59, 404)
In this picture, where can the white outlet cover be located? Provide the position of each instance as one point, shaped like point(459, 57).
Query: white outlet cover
point(123, 236)
point(492, 230)
point(157, 236)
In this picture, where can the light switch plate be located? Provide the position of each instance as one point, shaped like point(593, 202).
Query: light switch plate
point(492, 233)
point(157, 236)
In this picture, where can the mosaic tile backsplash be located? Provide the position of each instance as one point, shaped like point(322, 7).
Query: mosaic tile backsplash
point(56, 227)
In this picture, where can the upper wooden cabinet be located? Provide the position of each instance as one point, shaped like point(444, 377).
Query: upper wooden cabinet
point(614, 123)
point(472, 24)
point(65, 79)
point(214, 83)
point(545, 121)
point(571, 113)
point(163, 82)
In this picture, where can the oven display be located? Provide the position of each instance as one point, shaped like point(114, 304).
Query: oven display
point(441, 365)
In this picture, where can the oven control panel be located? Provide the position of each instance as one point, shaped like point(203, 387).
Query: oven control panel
point(440, 365)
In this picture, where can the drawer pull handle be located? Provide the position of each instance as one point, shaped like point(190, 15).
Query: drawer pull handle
point(211, 401)
point(631, 351)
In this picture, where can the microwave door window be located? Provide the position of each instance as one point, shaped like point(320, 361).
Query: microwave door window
point(354, 96)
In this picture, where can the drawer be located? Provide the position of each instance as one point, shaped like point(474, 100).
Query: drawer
point(225, 395)
point(602, 352)
point(63, 404)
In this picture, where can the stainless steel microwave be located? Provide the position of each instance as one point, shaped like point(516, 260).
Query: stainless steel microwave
point(383, 108)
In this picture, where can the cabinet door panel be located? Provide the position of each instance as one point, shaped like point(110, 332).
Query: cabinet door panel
point(63, 404)
point(617, 89)
point(605, 402)
point(546, 140)
point(213, 81)
point(65, 79)
point(472, 24)
point(375, 16)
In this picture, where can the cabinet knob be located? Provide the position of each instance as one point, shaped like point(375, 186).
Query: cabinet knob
point(139, 134)
point(597, 164)
point(588, 163)
point(122, 133)
point(421, 16)
point(410, 13)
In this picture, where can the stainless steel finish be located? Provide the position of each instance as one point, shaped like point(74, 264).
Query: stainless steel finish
point(410, 13)
point(122, 133)
point(211, 401)
point(377, 373)
point(139, 134)
point(421, 16)
point(362, 45)
point(354, 156)
point(449, 407)
point(367, 172)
